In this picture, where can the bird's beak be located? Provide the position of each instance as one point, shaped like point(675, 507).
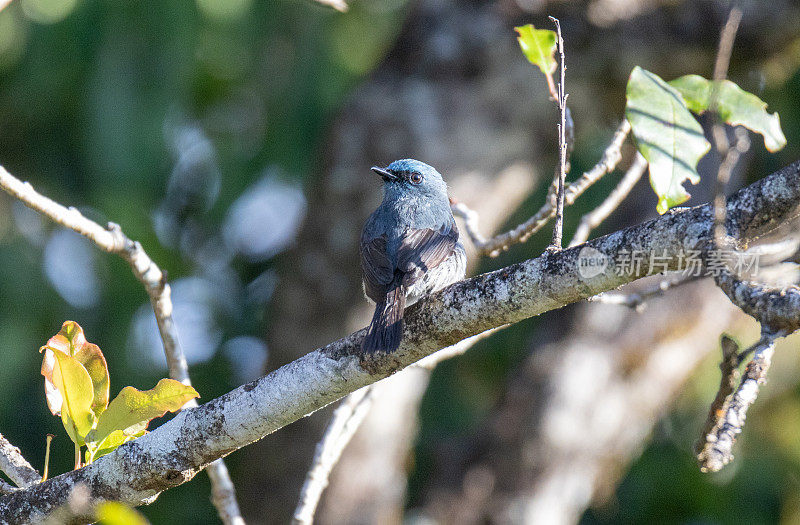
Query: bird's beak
point(388, 176)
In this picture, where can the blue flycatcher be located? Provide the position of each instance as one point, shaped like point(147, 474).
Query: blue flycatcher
point(409, 248)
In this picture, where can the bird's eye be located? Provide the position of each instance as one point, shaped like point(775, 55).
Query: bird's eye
point(415, 178)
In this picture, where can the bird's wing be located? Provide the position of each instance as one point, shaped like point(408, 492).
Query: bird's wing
point(424, 249)
point(377, 267)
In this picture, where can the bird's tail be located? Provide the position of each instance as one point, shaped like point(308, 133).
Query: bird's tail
point(386, 327)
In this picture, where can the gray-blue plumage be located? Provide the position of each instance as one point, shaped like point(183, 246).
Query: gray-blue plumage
point(409, 248)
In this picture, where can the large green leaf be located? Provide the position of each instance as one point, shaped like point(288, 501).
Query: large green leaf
point(72, 381)
point(666, 134)
point(735, 106)
point(539, 47)
point(71, 341)
point(132, 409)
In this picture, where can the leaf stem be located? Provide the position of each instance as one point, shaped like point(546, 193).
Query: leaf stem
point(49, 439)
point(77, 456)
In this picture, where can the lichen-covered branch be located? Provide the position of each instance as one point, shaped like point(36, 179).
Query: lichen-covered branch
point(15, 466)
point(113, 240)
point(494, 246)
point(777, 309)
point(172, 454)
point(716, 447)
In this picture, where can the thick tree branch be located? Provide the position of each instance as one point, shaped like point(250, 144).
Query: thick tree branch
point(113, 240)
point(172, 454)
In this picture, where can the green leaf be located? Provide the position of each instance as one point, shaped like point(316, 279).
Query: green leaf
point(133, 409)
point(666, 134)
point(539, 47)
point(72, 380)
point(116, 513)
point(735, 106)
point(71, 341)
point(109, 444)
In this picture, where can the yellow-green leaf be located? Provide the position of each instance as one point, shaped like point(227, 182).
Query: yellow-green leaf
point(72, 381)
point(70, 340)
point(109, 444)
point(539, 47)
point(94, 362)
point(735, 106)
point(116, 513)
point(666, 134)
point(132, 409)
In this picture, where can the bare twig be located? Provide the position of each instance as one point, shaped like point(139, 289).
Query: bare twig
point(346, 419)
point(727, 417)
point(638, 300)
point(113, 240)
point(492, 247)
point(15, 466)
point(558, 227)
point(593, 219)
point(729, 156)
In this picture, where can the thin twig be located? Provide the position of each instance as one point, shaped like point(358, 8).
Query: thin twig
point(344, 423)
point(729, 156)
point(593, 219)
point(638, 300)
point(521, 233)
point(15, 466)
point(113, 240)
point(558, 227)
point(727, 417)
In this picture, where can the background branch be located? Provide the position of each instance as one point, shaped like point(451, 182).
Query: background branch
point(729, 156)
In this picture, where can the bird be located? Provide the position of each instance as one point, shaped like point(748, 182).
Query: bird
point(409, 248)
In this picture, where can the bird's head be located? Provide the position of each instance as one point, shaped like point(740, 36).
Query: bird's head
point(411, 177)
